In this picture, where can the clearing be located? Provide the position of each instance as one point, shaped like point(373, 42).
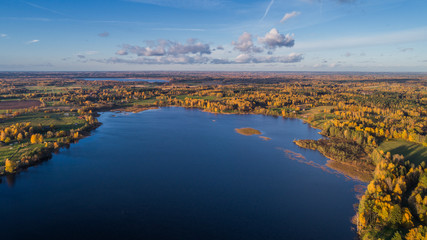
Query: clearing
point(413, 152)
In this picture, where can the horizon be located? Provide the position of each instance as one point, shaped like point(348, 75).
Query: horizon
point(336, 36)
point(210, 71)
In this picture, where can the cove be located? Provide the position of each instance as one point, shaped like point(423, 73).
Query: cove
point(175, 173)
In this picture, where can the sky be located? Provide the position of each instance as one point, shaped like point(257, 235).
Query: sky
point(213, 35)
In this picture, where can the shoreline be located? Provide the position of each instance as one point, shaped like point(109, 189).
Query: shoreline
point(46, 153)
point(349, 169)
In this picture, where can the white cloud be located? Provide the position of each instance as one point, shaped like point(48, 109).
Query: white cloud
point(197, 59)
point(267, 9)
point(122, 52)
point(245, 44)
point(192, 46)
point(3, 35)
point(289, 16)
point(243, 58)
point(164, 47)
point(291, 58)
point(181, 59)
point(274, 39)
point(33, 41)
point(195, 52)
point(247, 58)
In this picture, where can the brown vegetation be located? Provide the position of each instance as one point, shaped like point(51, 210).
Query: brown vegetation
point(12, 104)
point(247, 131)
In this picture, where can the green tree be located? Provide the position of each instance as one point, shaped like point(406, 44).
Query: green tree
point(395, 215)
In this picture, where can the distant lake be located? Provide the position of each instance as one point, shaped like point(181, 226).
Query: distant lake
point(174, 173)
point(127, 80)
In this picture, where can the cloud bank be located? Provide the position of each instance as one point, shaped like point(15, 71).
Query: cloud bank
point(193, 51)
point(246, 58)
point(164, 47)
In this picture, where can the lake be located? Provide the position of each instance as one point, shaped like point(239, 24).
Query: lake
point(127, 80)
point(175, 173)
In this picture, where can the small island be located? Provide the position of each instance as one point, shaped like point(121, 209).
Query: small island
point(247, 131)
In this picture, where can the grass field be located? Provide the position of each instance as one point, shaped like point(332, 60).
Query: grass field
point(60, 120)
point(56, 89)
point(413, 152)
point(210, 98)
point(317, 115)
point(145, 102)
point(15, 152)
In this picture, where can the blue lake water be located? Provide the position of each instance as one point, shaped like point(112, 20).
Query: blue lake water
point(127, 80)
point(174, 173)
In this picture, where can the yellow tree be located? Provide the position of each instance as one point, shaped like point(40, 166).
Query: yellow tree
point(9, 166)
point(36, 138)
point(19, 137)
point(2, 135)
point(40, 138)
point(33, 139)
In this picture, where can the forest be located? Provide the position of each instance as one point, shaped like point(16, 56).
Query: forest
point(375, 122)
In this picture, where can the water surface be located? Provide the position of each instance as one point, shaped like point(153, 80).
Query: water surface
point(174, 173)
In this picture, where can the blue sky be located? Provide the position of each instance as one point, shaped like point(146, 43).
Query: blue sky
point(225, 35)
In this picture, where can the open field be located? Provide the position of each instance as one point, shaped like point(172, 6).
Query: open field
point(12, 104)
point(210, 98)
point(16, 151)
point(61, 121)
point(55, 89)
point(413, 152)
point(145, 102)
point(317, 115)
